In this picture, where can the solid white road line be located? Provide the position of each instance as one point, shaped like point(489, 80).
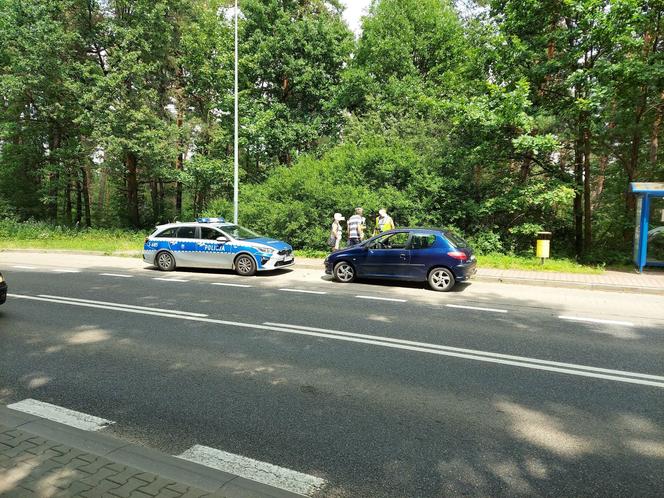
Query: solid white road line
point(23, 267)
point(485, 356)
point(303, 291)
point(116, 275)
point(231, 285)
point(62, 415)
point(383, 299)
point(493, 310)
point(596, 320)
point(290, 480)
point(170, 279)
point(119, 305)
point(474, 352)
point(58, 270)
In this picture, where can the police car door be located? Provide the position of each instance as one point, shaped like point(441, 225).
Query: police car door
point(214, 253)
point(184, 246)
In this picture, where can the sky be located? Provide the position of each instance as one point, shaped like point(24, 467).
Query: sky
point(355, 9)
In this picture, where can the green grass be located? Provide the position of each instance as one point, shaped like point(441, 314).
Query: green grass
point(512, 262)
point(36, 235)
point(42, 236)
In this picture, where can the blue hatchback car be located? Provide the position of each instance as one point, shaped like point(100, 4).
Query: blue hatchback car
point(437, 256)
point(214, 243)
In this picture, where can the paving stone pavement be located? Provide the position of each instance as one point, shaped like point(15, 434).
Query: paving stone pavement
point(31, 466)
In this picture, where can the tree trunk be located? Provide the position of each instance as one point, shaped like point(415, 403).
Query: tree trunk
point(154, 194)
point(54, 180)
point(578, 197)
point(101, 195)
point(654, 136)
point(587, 206)
point(85, 175)
point(132, 189)
point(179, 162)
point(79, 199)
point(68, 206)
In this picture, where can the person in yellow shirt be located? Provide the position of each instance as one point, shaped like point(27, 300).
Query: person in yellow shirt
point(384, 222)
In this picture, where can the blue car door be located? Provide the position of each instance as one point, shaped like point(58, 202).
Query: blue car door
point(387, 256)
point(424, 253)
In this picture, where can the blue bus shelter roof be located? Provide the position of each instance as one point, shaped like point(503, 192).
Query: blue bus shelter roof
point(652, 189)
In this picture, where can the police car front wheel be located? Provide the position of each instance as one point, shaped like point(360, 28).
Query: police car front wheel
point(165, 261)
point(245, 265)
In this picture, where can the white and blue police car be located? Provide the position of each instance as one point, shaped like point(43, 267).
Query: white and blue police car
point(214, 243)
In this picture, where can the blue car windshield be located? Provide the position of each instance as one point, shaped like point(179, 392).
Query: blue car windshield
point(240, 233)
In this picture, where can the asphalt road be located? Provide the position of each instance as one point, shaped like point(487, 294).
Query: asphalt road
point(334, 385)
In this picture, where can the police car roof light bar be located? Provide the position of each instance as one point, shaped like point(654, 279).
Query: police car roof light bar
point(210, 220)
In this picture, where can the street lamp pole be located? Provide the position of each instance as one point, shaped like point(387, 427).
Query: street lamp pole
point(236, 148)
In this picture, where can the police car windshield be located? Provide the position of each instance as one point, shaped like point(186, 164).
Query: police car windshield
point(240, 233)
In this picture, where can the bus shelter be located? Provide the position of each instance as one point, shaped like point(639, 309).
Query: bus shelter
point(649, 231)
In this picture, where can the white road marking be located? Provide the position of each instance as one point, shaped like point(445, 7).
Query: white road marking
point(303, 291)
point(231, 285)
point(494, 310)
point(170, 279)
point(119, 305)
point(62, 415)
point(388, 342)
point(267, 473)
point(116, 275)
point(62, 270)
point(383, 299)
point(596, 320)
point(23, 267)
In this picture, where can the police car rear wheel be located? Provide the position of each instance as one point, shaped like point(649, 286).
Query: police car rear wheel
point(245, 266)
point(441, 279)
point(344, 272)
point(165, 261)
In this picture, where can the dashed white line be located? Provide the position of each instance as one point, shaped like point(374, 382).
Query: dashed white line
point(170, 279)
point(493, 310)
point(303, 291)
point(120, 275)
point(231, 285)
point(58, 270)
point(266, 473)
point(119, 305)
point(62, 415)
point(23, 267)
point(596, 320)
point(383, 299)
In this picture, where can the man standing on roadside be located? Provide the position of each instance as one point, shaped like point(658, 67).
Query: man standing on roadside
point(356, 227)
point(384, 222)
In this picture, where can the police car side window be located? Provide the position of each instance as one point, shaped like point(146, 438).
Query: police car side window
point(170, 232)
point(186, 233)
point(210, 233)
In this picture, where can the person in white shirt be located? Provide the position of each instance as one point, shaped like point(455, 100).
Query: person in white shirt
point(356, 225)
point(336, 232)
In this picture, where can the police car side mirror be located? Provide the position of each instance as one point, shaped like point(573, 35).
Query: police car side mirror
point(222, 239)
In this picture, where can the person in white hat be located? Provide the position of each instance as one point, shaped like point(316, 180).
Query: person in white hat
point(336, 232)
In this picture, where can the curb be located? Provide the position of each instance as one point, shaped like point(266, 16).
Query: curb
point(144, 459)
point(563, 284)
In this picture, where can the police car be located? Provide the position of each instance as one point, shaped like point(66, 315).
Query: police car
point(214, 243)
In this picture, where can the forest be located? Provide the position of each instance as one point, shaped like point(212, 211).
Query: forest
point(498, 118)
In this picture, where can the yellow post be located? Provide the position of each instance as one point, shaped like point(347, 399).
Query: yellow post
point(543, 246)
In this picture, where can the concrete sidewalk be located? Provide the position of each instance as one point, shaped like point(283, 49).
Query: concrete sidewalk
point(41, 458)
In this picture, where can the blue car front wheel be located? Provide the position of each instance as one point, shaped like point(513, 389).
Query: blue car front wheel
point(344, 272)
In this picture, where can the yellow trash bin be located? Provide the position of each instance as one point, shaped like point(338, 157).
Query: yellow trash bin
point(543, 247)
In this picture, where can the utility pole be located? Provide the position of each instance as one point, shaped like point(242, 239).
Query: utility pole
point(236, 160)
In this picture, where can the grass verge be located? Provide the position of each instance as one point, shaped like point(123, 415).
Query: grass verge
point(41, 236)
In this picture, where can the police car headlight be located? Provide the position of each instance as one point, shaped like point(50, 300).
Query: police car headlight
point(266, 250)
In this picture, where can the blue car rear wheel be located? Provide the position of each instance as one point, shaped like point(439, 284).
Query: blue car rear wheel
point(441, 279)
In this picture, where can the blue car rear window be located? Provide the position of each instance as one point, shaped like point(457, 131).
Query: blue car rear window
point(455, 239)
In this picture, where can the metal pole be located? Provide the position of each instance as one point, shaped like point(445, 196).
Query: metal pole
point(236, 158)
